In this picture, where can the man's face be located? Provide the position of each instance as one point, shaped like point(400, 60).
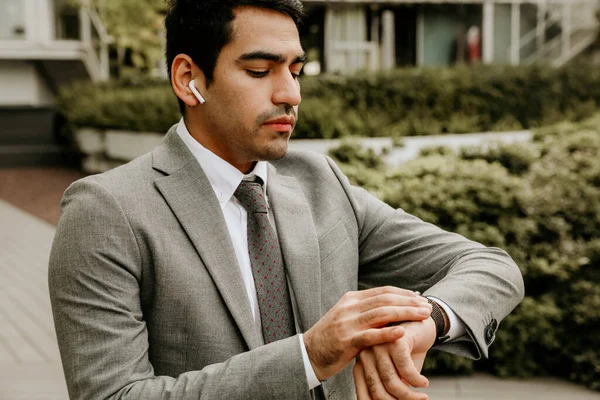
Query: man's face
point(252, 104)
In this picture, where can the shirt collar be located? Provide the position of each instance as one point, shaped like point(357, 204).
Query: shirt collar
point(223, 177)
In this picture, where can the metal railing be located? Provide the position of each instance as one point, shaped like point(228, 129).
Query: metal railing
point(571, 17)
point(95, 40)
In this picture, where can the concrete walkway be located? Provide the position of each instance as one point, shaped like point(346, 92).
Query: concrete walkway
point(486, 387)
point(30, 366)
point(37, 190)
point(412, 145)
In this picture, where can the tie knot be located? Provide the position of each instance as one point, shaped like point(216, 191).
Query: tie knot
point(250, 195)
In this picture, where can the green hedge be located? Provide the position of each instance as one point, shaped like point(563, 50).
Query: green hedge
point(397, 103)
point(540, 202)
point(132, 105)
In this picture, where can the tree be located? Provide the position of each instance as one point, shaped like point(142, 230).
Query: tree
point(136, 27)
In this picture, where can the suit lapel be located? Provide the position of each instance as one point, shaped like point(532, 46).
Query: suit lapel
point(193, 201)
point(299, 244)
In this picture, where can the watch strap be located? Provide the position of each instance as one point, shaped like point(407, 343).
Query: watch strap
point(441, 323)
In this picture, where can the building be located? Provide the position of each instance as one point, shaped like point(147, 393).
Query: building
point(44, 44)
point(350, 35)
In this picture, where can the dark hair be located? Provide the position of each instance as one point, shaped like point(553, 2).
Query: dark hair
point(201, 28)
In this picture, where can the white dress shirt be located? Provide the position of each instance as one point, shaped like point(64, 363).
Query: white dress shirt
point(224, 179)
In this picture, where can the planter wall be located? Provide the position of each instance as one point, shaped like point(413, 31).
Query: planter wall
point(108, 149)
point(105, 150)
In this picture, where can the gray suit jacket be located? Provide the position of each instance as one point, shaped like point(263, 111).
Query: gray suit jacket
point(149, 303)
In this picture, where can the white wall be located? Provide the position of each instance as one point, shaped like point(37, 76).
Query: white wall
point(20, 85)
point(41, 20)
point(37, 17)
point(48, 17)
point(12, 16)
point(502, 32)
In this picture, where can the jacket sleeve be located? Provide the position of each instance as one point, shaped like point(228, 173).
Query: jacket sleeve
point(482, 285)
point(94, 274)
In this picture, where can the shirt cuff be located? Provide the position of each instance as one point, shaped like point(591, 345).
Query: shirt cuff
point(311, 378)
point(457, 326)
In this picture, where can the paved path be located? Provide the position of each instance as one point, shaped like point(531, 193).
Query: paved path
point(37, 190)
point(30, 366)
point(485, 387)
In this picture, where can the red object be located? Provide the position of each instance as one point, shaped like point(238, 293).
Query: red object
point(474, 44)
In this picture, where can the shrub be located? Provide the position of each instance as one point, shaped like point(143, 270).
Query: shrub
point(351, 152)
point(515, 158)
point(463, 123)
point(396, 103)
point(505, 124)
point(327, 118)
point(127, 105)
point(436, 150)
point(456, 194)
point(541, 203)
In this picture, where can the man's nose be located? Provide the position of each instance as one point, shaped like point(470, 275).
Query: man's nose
point(287, 91)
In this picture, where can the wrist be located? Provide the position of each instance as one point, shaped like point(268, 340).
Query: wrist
point(431, 332)
point(310, 352)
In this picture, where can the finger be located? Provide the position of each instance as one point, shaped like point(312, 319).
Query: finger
point(391, 299)
point(360, 382)
point(403, 361)
point(384, 315)
point(388, 374)
point(374, 384)
point(375, 336)
point(363, 294)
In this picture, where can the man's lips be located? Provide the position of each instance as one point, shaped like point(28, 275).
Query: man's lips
point(282, 121)
point(282, 125)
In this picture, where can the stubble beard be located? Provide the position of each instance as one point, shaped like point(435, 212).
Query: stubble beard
point(275, 149)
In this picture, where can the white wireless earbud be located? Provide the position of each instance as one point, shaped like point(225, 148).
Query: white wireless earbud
point(196, 92)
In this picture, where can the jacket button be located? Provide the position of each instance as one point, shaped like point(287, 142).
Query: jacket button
point(490, 330)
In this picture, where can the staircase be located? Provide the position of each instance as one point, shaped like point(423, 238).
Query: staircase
point(563, 30)
point(33, 134)
point(30, 136)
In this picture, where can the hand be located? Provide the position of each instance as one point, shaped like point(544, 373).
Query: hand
point(386, 371)
point(357, 321)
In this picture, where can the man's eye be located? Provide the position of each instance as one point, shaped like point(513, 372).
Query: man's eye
point(257, 74)
point(297, 74)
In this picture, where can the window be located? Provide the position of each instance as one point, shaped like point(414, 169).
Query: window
point(67, 20)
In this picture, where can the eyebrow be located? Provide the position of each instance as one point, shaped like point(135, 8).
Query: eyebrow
point(265, 55)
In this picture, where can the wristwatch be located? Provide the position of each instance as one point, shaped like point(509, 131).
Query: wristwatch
point(442, 324)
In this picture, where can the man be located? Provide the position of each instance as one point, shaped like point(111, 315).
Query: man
point(220, 267)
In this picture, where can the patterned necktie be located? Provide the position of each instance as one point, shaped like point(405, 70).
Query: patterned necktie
point(274, 303)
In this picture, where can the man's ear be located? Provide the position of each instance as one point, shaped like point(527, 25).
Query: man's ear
point(183, 71)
